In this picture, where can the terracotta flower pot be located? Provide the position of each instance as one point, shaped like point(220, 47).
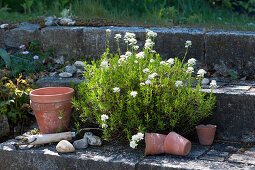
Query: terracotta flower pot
point(52, 107)
point(154, 143)
point(176, 144)
point(206, 134)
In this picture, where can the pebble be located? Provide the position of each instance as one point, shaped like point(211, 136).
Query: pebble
point(205, 81)
point(65, 147)
point(71, 69)
point(79, 64)
point(65, 75)
point(93, 139)
point(81, 144)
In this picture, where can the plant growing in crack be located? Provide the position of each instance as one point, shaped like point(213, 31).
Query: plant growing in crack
point(60, 117)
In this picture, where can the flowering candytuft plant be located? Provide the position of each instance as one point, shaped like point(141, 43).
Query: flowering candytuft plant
point(140, 92)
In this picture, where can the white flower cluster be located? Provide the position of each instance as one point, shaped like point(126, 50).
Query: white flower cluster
point(151, 33)
point(201, 73)
point(130, 38)
point(108, 31)
point(152, 76)
point(66, 21)
point(128, 53)
point(116, 89)
point(148, 44)
point(140, 55)
point(192, 62)
point(170, 61)
point(133, 93)
point(117, 36)
point(104, 117)
point(136, 47)
point(178, 83)
point(135, 139)
point(104, 64)
point(190, 70)
point(213, 84)
point(146, 70)
point(188, 44)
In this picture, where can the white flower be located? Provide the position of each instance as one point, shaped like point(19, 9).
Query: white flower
point(22, 46)
point(162, 62)
point(116, 89)
point(128, 36)
point(213, 84)
point(135, 61)
point(190, 70)
point(140, 136)
point(135, 138)
point(151, 33)
point(146, 70)
point(152, 76)
point(60, 117)
point(108, 31)
point(136, 47)
point(133, 93)
point(148, 82)
point(121, 60)
point(140, 55)
point(128, 53)
point(201, 73)
point(132, 41)
point(192, 62)
point(105, 64)
point(170, 61)
point(123, 56)
point(188, 44)
point(133, 144)
point(36, 57)
point(104, 125)
point(117, 36)
point(25, 52)
point(104, 117)
point(142, 84)
point(152, 60)
point(178, 83)
point(153, 51)
point(4, 26)
point(148, 44)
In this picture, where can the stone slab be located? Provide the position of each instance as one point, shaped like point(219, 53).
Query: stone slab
point(4, 126)
point(22, 34)
point(169, 163)
point(234, 113)
point(57, 82)
point(231, 50)
point(241, 158)
point(48, 158)
point(250, 151)
point(214, 155)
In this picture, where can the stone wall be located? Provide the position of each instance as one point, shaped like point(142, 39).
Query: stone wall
point(222, 51)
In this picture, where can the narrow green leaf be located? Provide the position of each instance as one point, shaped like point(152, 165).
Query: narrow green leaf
point(6, 57)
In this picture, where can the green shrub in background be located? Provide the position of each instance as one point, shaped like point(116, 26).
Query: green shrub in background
point(140, 92)
point(245, 6)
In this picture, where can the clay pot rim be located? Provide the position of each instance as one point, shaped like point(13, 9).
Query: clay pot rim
point(68, 91)
point(208, 126)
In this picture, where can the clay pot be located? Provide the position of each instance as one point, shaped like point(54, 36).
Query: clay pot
point(154, 143)
point(176, 144)
point(206, 134)
point(48, 104)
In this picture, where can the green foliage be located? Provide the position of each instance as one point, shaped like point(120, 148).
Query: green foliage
point(6, 57)
point(14, 98)
point(25, 63)
point(159, 106)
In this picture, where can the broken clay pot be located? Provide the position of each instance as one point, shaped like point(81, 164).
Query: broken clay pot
point(154, 143)
point(176, 144)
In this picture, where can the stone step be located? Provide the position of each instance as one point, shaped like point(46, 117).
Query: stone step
point(223, 51)
point(121, 157)
point(234, 113)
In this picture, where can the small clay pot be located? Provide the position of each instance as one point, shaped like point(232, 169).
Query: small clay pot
point(176, 144)
point(154, 143)
point(206, 134)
